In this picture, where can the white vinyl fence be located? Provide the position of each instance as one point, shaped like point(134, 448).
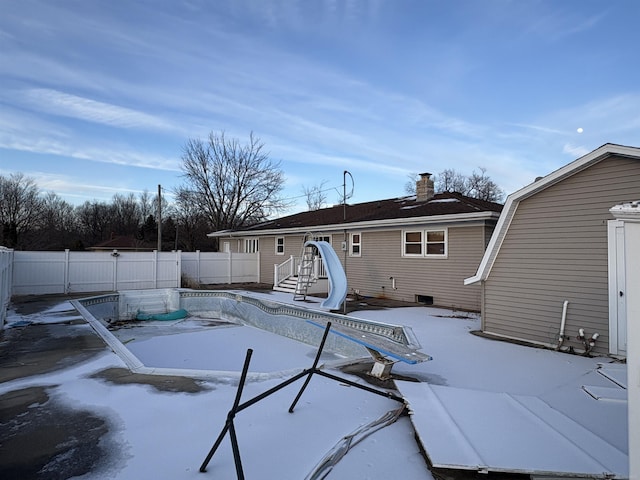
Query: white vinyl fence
point(37, 273)
point(6, 264)
point(221, 267)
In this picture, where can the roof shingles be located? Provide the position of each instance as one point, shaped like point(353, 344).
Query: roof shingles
point(447, 203)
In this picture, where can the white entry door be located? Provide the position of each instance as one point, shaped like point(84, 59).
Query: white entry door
point(617, 289)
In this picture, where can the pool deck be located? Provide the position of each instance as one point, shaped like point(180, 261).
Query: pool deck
point(46, 348)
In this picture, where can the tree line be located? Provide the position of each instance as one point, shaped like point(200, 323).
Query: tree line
point(34, 220)
point(475, 185)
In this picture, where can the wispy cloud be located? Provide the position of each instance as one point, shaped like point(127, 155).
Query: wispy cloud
point(64, 104)
point(68, 186)
point(608, 119)
point(575, 150)
point(540, 128)
point(49, 146)
point(557, 24)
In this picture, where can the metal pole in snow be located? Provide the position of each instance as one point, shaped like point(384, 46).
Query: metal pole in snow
point(159, 218)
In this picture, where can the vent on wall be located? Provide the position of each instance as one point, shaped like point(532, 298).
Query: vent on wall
point(424, 299)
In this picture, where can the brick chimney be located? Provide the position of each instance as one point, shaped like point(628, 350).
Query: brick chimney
point(424, 188)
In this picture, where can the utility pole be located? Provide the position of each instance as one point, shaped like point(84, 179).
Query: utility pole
point(159, 218)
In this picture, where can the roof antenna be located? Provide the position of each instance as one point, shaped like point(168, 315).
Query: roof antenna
point(344, 192)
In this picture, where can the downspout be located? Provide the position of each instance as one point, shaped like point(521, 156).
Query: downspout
point(563, 322)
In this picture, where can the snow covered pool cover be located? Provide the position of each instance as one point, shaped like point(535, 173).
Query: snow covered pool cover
point(506, 433)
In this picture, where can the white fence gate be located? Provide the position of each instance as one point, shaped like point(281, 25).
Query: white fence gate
point(38, 273)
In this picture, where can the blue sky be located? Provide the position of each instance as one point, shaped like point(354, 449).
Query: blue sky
point(99, 97)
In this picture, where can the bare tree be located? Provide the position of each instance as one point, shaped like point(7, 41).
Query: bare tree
point(451, 181)
point(477, 185)
point(21, 208)
point(235, 184)
point(316, 196)
point(410, 186)
point(480, 186)
point(95, 220)
point(58, 227)
point(146, 202)
point(126, 214)
point(192, 223)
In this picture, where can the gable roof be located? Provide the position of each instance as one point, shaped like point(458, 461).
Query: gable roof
point(443, 207)
point(511, 205)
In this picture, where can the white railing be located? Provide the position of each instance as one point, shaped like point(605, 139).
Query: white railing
point(318, 268)
point(286, 269)
point(289, 268)
point(70, 272)
point(6, 267)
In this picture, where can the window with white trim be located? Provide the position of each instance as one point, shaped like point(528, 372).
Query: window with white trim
point(279, 245)
point(355, 246)
point(251, 245)
point(436, 243)
point(424, 243)
point(412, 243)
point(322, 238)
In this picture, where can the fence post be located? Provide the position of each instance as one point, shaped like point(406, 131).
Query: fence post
point(115, 255)
point(198, 266)
point(6, 282)
point(179, 268)
point(229, 269)
point(66, 271)
point(258, 266)
point(155, 269)
point(275, 274)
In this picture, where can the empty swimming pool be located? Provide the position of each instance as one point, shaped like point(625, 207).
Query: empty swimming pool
point(221, 326)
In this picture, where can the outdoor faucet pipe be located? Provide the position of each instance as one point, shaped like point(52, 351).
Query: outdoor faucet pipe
point(563, 321)
point(393, 283)
point(592, 342)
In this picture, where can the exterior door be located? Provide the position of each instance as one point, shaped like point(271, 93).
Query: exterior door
point(617, 289)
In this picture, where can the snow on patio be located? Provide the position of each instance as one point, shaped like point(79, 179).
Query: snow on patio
point(167, 435)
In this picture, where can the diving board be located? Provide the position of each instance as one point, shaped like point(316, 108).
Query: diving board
point(385, 351)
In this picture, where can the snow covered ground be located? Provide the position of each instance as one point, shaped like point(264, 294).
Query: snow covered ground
point(167, 435)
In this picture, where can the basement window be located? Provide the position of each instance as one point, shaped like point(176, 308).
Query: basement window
point(424, 299)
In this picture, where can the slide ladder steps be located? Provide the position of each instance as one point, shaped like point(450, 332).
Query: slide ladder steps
point(305, 273)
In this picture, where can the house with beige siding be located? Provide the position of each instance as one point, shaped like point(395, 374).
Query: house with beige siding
point(415, 249)
point(553, 272)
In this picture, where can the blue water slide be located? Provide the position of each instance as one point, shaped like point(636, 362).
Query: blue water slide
point(335, 272)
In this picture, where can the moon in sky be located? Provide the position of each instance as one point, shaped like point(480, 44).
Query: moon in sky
point(580, 130)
